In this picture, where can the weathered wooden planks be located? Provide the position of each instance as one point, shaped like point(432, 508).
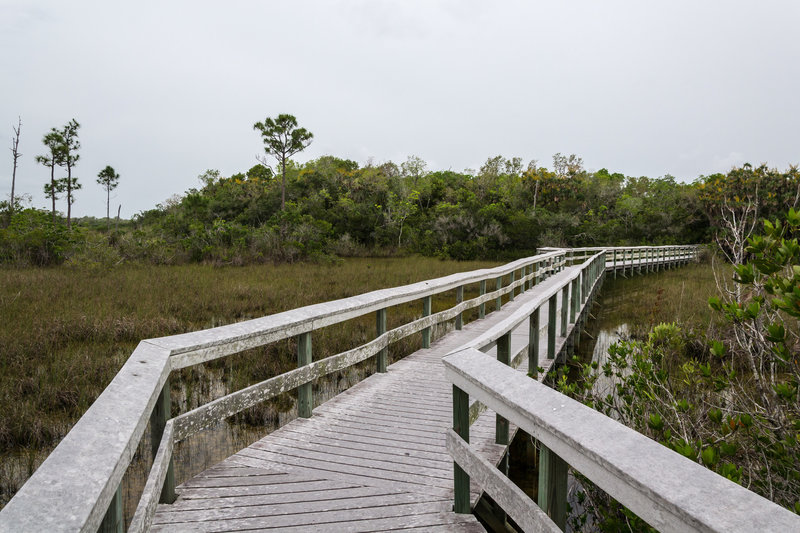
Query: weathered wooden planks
point(382, 442)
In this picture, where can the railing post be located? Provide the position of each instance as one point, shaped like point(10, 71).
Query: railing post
point(552, 497)
point(305, 401)
point(551, 327)
point(564, 309)
point(511, 282)
point(158, 419)
point(504, 356)
point(482, 307)
point(499, 301)
point(380, 329)
point(426, 333)
point(459, 299)
point(574, 301)
point(585, 288)
point(461, 503)
point(614, 262)
point(533, 344)
point(113, 521)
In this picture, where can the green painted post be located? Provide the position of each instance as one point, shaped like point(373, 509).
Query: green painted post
point(158, 419)
point(573, 308)
point(499, 301)
point(113, 521)
point(585, 288)
point(459, 299)
point(551, 327)
point(615, 263)
point(533, 344)
point(552, 497)
point(504, 356)
point(461, 426)
point(511, 282)
point(426, 333)
point(380, 329)
point(564, 309)
point(482, 307)
point(305, 401)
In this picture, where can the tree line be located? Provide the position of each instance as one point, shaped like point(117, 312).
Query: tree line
point(332, 206)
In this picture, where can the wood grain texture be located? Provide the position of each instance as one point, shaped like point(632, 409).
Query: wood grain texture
point(373, 458)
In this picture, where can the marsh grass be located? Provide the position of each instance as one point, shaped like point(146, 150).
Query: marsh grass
point(645, 301)
point(65, 332)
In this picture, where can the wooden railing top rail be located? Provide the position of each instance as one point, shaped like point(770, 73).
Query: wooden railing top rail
point(200, 346)
point(74, 486)
point(667, 490)
point(488, 338)
point(612, 248)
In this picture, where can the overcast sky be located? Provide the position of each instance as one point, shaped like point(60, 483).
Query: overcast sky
point(165, 90)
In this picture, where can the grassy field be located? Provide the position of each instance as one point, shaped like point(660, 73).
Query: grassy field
point(65, 332)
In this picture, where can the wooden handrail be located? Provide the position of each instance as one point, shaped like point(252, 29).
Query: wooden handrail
point(77, 486)
point(667, 490)
point(79, 482)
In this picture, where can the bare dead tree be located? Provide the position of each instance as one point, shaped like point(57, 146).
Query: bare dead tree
point(16, 156)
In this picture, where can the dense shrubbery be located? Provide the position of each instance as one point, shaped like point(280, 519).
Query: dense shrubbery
point(335, 207)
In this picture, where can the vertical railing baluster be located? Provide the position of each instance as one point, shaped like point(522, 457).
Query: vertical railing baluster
point(114, 521)
point(162, 412)
point(482, 307)
point(459, 299)
point(504, 356)
point(552, 497)
point(511, 282)
point(380, 329)
point(461, 503)
point(533, 344)
point(574, 301)
point(305, 401)
point(564, 309)
point(499, 301)
point(551, 327)
point(426, 333)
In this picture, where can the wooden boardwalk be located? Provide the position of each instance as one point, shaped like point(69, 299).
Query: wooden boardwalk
point(371, 459)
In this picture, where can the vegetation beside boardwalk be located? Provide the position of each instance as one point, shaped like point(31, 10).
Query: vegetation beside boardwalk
point(721, 388)
point(337, 208)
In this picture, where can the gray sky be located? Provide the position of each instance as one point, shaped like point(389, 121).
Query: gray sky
point(164, 90)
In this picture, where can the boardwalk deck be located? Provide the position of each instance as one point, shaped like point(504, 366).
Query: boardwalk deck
point(371, 459)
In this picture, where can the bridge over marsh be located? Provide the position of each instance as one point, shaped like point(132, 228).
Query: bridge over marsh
point(411, 447)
